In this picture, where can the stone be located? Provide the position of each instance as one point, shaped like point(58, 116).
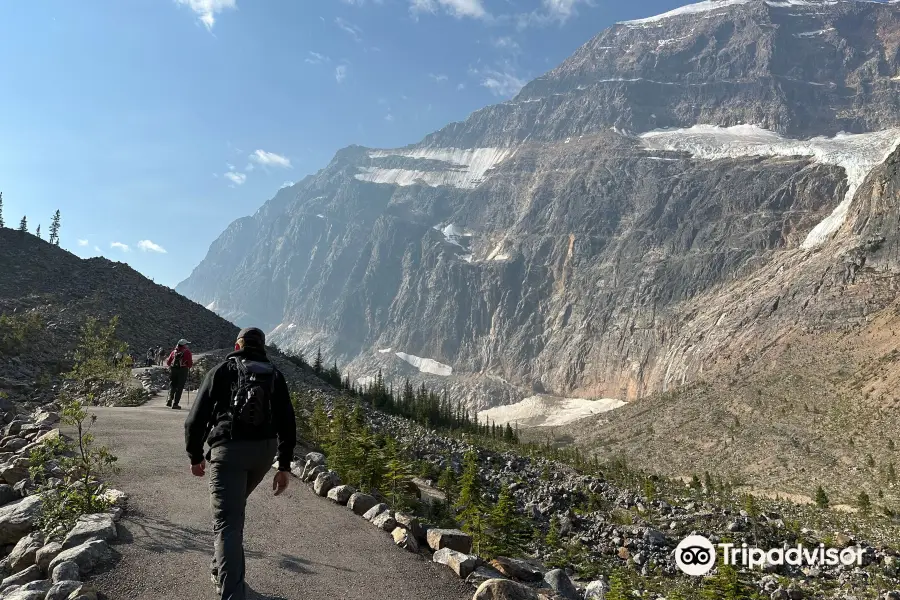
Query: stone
point(449, 538)
point(116, 498)
point(411, 523)
point(461, 564)
point(23, 554)
point(23, 488)
point(504, 589)
point(515, 568)
point(14, 445)
point(15, 471)
point(375, 511)
point(842, 540)
point(360, 503)
point(341, 494)
point(623, 553)
point(654, 537)
point(62, 590)
point(32, 573)
point(85, 591)
point(482, 574)
point(596, 590)
point(324, 483)
point(23, 594)
point(385, 521)
point(405, 539)
point(560, 583)
point(17, 519)
point(91, 527)
point(48, 418)
point(46, 554)
point(315, 458)
point(14, 427)
point(7, 494)
point(66, 571)
point(86, 556)
point(39, 585)
point(311, 475)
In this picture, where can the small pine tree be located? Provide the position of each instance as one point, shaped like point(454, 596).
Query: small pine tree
point(447, 483)
point(469, 504)
point(37, 232)
point(397, 475)
point(552, 539)
point(507, 533)
point(317, 366)
point(54, 228)
point(318, 424)
point(864, 503)
point(750, 506)
point(617, 589)
point(695, 483)
point(2, 224)
point(649, 490)
point(708, 483)
point(727, 585)
point(23, 225)
point(821, 498)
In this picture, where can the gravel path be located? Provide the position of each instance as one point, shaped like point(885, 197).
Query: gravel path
point(298, 546)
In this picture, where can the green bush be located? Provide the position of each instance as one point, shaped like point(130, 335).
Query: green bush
point(18, 332)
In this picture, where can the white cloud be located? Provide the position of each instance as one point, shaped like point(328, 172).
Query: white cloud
point(315, 58)
point(562, 10)
point(287, 184)
point(506, 43)
point(82, 242)
point(389, 117)
point(504, 84)
point(354, 31)
point(460, 87)
point(120, 246)
point(340, 73)
point(148, 246)
point(270, 159)
point(438, 78)
point(235, 177)
point(208, 9)
point(457, 8)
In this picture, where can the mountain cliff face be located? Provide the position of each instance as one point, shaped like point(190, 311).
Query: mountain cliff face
point(679, 192)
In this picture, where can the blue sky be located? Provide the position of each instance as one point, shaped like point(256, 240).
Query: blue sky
point(152, 124)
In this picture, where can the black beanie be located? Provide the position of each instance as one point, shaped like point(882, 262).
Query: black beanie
point(253, 336)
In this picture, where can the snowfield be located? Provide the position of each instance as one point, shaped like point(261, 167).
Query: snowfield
point(465, 169)
point(857, 154)
point(548, 411)
point(711, 5)
point(425, 365)
point(453, 234)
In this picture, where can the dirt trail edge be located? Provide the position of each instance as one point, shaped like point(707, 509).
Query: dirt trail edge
point(298, 546)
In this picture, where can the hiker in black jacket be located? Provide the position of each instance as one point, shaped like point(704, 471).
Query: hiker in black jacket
point(243, 411)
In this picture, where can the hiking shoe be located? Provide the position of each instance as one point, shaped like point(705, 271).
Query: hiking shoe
point(169, 404)
point(176, 407)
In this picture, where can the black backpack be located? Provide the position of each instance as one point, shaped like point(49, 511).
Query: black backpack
point(178, 359)
point(251, 403)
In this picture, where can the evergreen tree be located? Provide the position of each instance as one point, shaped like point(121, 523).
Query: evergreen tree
point(507, 531)
point(821, 498)
point(470, 505)
point(317, 366)
point(617, 589)
point(447, 483)
point(396, 477)
point(2, 224)
point(708, 483)
point(695, 483)
point(54, 229)
point(864, 503)
point(552, 540)
point(37, 232)
point(23, 225)
point(318, 424)
point(727, 585)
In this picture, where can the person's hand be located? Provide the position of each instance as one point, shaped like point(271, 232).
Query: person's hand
point(199, 469)
point(280, 483)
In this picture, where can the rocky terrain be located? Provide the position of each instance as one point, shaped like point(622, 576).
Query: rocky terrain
point(50, 293)
point(672, 202)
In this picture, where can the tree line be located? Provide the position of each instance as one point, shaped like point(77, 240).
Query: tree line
point(23, 225)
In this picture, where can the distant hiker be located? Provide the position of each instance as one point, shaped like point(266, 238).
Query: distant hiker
point(160, 356)
point(179, 362)
point(117, 359)
point(150, 357)
point(243, 411)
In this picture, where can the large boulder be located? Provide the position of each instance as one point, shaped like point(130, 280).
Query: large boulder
point(86, 556)
point(482, 574)
point(449, 538)
point(385, 521)
point(91, 527)
point(15, 444)
point(405, 539)
point(596, 590)
point(324, 483)
point(62, 590)
point(15, 471)
point(361, 503)
point(411, 524)
point(17, 519)
point(66, 571)
point(46, 554)
point(311, 474)
point(32, 573)
point(85, 591)
point(375, 511)
point(341, 494)
point(7, 494)
point(23, 554)
point(315, 458)
point(459, 563)
point(515, 568)
point(560, 583)
point(504, 589)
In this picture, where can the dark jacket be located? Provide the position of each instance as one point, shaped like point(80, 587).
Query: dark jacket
point(210, 417)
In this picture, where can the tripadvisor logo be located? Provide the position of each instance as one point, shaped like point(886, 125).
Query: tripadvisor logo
point(695, 555)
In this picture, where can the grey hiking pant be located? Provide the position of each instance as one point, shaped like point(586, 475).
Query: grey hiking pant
point(235, 469)
point(177, 380)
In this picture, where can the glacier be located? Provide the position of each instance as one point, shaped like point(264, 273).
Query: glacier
point(857, 154)
point(426, 365)
point(467, 166)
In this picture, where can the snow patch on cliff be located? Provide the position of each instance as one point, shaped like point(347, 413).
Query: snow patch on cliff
point(690, 9)
point(857, 154)
point(426, 365)
point(453, 234)
point(384, 351)
point(548, 411)
point(464, 169)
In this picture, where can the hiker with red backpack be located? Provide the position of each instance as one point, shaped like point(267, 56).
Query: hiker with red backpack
point(179, 362)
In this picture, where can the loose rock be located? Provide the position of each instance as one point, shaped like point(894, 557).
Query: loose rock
point(517, 569)
point(23, 555)
point(375, 511)
point(360, 503)
point(86, 556)
point(385, 521)
point(405, 539)
point(17, 519)
point(91, 527)
point(66, 571)
point(341, 494)
point(560, 583)
point(461, 564)
point(449, 538)
point(504, 589)
point(62, 590)
point(324, 483)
